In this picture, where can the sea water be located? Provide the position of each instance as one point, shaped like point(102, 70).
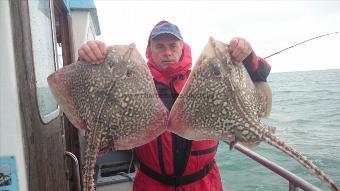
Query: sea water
point(306, 114)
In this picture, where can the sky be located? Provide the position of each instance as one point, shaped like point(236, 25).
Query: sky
point(268, 25)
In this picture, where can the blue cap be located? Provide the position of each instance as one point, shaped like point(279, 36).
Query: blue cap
point(166, 28)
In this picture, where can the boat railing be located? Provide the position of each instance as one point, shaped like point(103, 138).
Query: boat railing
point(295, 181)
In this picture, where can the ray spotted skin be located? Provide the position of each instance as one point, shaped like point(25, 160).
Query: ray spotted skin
point(115, 102)
point(220, 102)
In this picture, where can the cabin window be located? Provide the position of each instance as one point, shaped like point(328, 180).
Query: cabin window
point(44, 55)
point(59, 37)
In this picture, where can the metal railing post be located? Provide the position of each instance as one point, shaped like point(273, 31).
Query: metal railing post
point(294, 180)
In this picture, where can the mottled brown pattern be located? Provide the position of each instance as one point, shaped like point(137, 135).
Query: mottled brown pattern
point(220, 102)
point(115, 101)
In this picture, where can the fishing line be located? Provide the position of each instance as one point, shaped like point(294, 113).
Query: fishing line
point(300, 43)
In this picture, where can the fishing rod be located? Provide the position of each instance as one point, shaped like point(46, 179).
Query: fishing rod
point(300, 44)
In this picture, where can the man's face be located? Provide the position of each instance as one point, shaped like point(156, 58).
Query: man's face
point(165, 50)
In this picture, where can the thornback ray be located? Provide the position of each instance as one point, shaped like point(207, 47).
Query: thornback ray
point(220, 101)
point(111, 101)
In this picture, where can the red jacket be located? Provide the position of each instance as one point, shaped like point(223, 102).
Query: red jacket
point(169, 150)
point(170, 156)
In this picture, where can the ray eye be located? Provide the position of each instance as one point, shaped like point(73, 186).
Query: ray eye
point(111, 64)
point(128, 73)
point(216, 71)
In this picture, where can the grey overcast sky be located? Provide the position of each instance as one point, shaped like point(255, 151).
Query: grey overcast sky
point(268, 25)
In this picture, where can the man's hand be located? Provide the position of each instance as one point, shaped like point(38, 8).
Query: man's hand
point(93, 51)
point(239, 49)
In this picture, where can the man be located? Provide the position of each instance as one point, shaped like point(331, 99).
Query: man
point(170, 162)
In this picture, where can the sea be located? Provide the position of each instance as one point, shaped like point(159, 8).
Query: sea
point(306, 114)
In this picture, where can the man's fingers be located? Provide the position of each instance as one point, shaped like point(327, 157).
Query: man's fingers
point(234, 48)
point(233, 44)
point(93, 51)
point(245, 50)
point(96, 50)
point(238, 50)
point(83, 55)
point(89, 52)
point(102, 47)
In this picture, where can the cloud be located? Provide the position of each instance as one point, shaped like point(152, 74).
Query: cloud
point(269, 26)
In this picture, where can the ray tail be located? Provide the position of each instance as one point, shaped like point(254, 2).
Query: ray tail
point(92, 148)
point(276, 142)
